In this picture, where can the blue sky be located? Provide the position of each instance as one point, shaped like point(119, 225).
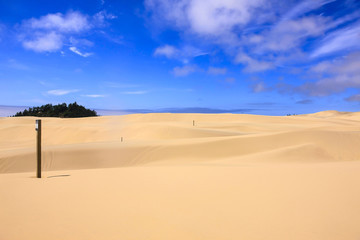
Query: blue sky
point(259, 56)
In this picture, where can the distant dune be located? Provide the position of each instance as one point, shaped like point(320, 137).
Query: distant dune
point(167, 138)
point(182, 176)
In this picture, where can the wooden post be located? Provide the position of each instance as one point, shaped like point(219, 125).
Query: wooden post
point(38, 147)
point(121, 139)
point(193, 122)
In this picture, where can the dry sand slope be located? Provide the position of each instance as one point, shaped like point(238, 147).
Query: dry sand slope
point(228, 177)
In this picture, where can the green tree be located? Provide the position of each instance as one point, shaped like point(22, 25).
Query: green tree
point(73, 110)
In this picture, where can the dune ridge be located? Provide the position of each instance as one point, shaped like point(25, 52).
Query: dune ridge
point(167, 138)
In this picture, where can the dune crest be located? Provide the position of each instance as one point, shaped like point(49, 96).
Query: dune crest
point(167, 138)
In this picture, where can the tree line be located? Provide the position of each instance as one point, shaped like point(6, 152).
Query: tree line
point(73, 110)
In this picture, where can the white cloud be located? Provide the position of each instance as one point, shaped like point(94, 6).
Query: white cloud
point(290, 34)
point(77, 51)
point(342, 39)
point(51, 32)
point(253, 65)
point(60, 92)
point(261, 34)
point(265, 35)
point(80, 42)
point(182, 54)
point(184, 71)
point(349, 65)
point(285, 37)
point(47, 33)
point(216, 71)
point(101, 17)
point(334, 76)
point(167, 51)
point(259, 87)
point(94, 95)
point(219, 16)
point(353, 98)
point(345, 19)
point(135, 92)
point(304, 101)
point(305, 7)
point(44, 42)
point(214, 18)
point(70, 22)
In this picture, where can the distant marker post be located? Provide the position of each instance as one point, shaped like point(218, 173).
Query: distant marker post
point(38, 147)
point(193, 122)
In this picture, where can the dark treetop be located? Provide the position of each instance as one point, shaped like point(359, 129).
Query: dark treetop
point(73, 110)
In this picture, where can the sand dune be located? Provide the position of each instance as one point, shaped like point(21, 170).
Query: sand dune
point(167, 138)
point(228, 177)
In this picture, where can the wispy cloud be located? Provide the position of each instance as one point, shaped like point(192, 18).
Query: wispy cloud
point(70, 22)
point(260, 35)
point(61, 92)
point(305, 101)
point(330, 77)
point(77, 51)
point(183, 54)
point(12, 63)
point(216, 71)
point(304, 7)
point(167, 51)
point(80, 42)
point(184, 70)
point(253, 65)
point(118, 39)
point(135, 92)
point(259, 87)
point(51, 32)
point(94, 95)
point(44, 42)
point(343, 39)
point(101, 17)
point(230, 80)
point(47, 33)
point(2, 30)
point(353, 98)
point(216, 18)
point(290, 34)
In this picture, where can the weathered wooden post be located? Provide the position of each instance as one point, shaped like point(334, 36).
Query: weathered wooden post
point(193, 122)
point(38, 147)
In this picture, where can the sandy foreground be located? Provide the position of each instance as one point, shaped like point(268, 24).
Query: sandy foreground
point(228, 177)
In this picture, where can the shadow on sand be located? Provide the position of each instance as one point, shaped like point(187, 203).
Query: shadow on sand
point(63, 175)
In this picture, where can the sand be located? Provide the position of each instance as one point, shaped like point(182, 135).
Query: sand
point(228, 177)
